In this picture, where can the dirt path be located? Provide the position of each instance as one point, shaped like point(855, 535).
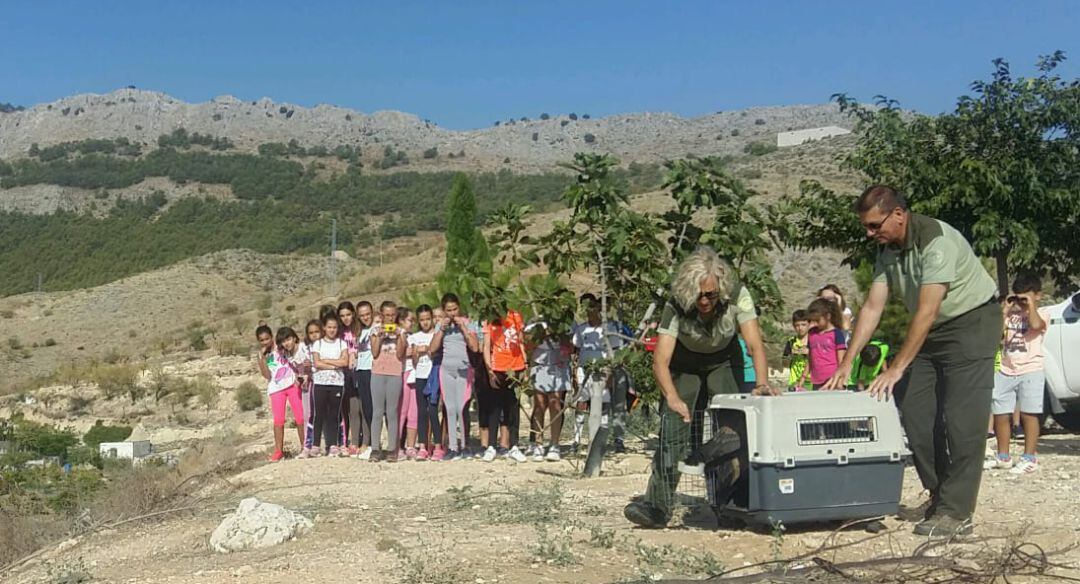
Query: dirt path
point(480, 523)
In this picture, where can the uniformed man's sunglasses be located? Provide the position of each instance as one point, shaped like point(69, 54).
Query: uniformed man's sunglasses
point(876, 226)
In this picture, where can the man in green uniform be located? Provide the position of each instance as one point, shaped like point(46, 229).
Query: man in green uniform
point(947, 356)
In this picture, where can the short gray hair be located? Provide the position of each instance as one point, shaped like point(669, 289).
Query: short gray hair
point(700, 264)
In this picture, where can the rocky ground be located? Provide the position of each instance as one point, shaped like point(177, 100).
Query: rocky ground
point(475, 522)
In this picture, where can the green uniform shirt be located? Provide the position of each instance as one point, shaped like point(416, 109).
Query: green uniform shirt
point(935, 253)
point(701, 336)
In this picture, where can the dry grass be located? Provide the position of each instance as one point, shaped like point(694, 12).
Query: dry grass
point(128, 493)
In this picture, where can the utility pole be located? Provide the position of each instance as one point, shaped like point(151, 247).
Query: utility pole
point(333, 257)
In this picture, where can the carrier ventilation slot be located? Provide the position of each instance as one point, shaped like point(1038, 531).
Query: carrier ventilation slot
point(837, 430)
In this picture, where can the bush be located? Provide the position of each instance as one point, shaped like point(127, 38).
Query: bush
point(43, 440)
point(207, 391)
point(759, 148)
point(50, 342)
point(535, 136)
point(248, 396)
point(102, 433)
point(572, 116)
point(116, 380)
point(590, 139)
point(544, 117)
point(197, 339)
point(231, 347)
point(14, 344)
point(430, 153)
point(759, 122)
point(563, 123)
point(7, 314)
point(734, 132)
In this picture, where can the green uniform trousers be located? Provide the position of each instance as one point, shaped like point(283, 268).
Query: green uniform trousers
point(697, 377)
point(946, 404)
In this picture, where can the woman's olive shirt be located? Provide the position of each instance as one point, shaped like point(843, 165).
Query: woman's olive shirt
point(712, 335)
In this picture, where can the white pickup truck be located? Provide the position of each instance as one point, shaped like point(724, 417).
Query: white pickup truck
point(1062, 363)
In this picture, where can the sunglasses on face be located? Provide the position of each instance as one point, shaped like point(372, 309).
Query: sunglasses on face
point(876, 226)
point(1014, 299)
point(710, 296)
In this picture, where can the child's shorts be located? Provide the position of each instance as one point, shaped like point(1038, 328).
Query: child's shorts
point(1027, 389)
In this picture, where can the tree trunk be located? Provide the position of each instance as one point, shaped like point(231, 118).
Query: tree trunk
point(598, 426)
point(1002, 259)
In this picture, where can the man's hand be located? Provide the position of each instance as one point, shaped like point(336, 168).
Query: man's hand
point(840, 378)
point(765, 389)
point(882, 386)
point(679, 407)
point(493, 379)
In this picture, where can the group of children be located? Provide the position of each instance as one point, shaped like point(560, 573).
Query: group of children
point(358, 374)
point(818, 347)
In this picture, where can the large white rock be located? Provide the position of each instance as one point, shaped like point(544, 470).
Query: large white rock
point(257, 525)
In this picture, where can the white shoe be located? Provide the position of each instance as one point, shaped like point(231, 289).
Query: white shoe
point(365, 455)
point(537, 453)
point(516, 455)
point(489, 454)
point(553, 453)
point(1025, 466)
point(996, 462)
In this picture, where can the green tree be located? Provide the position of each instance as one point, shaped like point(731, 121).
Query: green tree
point(461, 225)
point(102, 433)
point(1003, 169)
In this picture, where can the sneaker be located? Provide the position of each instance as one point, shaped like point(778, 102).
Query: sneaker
point(516, 455)
point(1018, 432)
point(553, 454)
point(376, 455)
point(392, 456)
point(365, 455)
point(422, 454)
point(999, 461)
point(451, 455)
point(438, 455)
point(1027, 465)
point(475, 453)
point(353, 451)
point(943, 526)
point(537, 453)
point(305, 453)
point(489, 454)
point(645, 514)
point(410, 453)
point(619, 447)
point(334, 451)
point(276, 456)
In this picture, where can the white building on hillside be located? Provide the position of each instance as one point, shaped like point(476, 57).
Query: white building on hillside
point(796, 137)
point(133, 450)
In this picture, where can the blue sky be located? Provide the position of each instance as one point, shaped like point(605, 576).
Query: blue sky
point(465, 64)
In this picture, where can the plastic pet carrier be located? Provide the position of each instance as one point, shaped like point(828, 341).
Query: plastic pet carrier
point(802, 457)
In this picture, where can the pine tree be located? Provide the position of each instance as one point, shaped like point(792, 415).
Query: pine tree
point(461, 226)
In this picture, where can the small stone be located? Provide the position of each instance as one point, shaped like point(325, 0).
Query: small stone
point(420, 519)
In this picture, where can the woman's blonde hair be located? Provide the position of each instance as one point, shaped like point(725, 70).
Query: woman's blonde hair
point(700, 264)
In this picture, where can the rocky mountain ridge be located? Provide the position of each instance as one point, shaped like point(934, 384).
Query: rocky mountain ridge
point(142, 116)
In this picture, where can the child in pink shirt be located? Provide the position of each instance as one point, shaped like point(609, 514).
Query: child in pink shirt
point(827, 343)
